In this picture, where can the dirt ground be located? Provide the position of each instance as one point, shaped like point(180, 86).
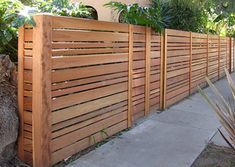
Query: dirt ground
point(215, 156)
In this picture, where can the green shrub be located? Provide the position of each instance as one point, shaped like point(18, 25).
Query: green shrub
point(62, 8)
point(187, 15)
point(175, 14)
point(13, 14)
point(156, 17)
point(203, 16)
point(8, 32)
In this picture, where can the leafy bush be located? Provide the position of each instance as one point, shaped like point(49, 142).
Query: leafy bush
point(175, 14)
point(13, 14)
point(225, 110)
point(62, 8)
point(8, 33)
point(156, 17)
point(187, 15)
point(221, 17)
point(213, 16)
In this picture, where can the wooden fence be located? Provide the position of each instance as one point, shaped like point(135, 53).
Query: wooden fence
point(81, 81)
point(189, 58)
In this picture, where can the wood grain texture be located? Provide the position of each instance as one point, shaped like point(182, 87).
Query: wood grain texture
point(75, 23)
point(42, 91)
point(165, 69)
point(226, 60)
point(233, 54)
point(147, 70)
point(130, 77)
point(207, 56)
point(230, 54)
point(162, 73)
point(190, 61)
point(21, 91)
point(219, 52)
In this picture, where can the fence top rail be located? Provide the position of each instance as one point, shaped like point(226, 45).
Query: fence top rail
point(79, 23)
point(65, 22)
point(199, 35)
point(175, 32)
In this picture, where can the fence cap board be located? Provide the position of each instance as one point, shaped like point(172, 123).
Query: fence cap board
point(78, 23)
point(177, 33)
point(199, 35)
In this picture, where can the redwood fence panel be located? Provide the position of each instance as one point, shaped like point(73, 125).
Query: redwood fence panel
point(89, 84)
point(213, 57)
point(81, 81)
point(177, 62)
point(200, 50)
point(189, 58)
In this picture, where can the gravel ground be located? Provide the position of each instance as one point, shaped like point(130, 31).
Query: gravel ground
point(215, 156)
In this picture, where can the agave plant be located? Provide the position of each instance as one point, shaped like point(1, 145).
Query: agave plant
point(225, 110)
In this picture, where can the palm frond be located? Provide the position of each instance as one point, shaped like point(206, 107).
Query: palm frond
point(224, 110)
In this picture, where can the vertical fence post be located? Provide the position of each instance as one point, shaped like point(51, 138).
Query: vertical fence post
point(130, 76)
point(233, 54)
point(219, 57)
point(230, 54)
point(147, 69)
point(41, 93)
point(163, 70)
point(21, 91)
point(226, 60)
point(190, 62)
point(207, 57)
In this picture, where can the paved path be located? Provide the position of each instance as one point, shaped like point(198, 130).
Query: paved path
point(173, 138)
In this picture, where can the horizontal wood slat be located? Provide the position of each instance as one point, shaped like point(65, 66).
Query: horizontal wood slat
point(69, 35)
point(184, 74)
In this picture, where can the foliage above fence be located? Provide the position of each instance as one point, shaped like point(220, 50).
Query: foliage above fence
point(14, 14)
point(213, 16)
point(81, 81)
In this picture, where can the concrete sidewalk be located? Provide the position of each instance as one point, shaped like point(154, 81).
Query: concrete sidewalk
point(173, 138)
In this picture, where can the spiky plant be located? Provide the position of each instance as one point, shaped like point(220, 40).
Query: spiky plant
point(225, 110)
